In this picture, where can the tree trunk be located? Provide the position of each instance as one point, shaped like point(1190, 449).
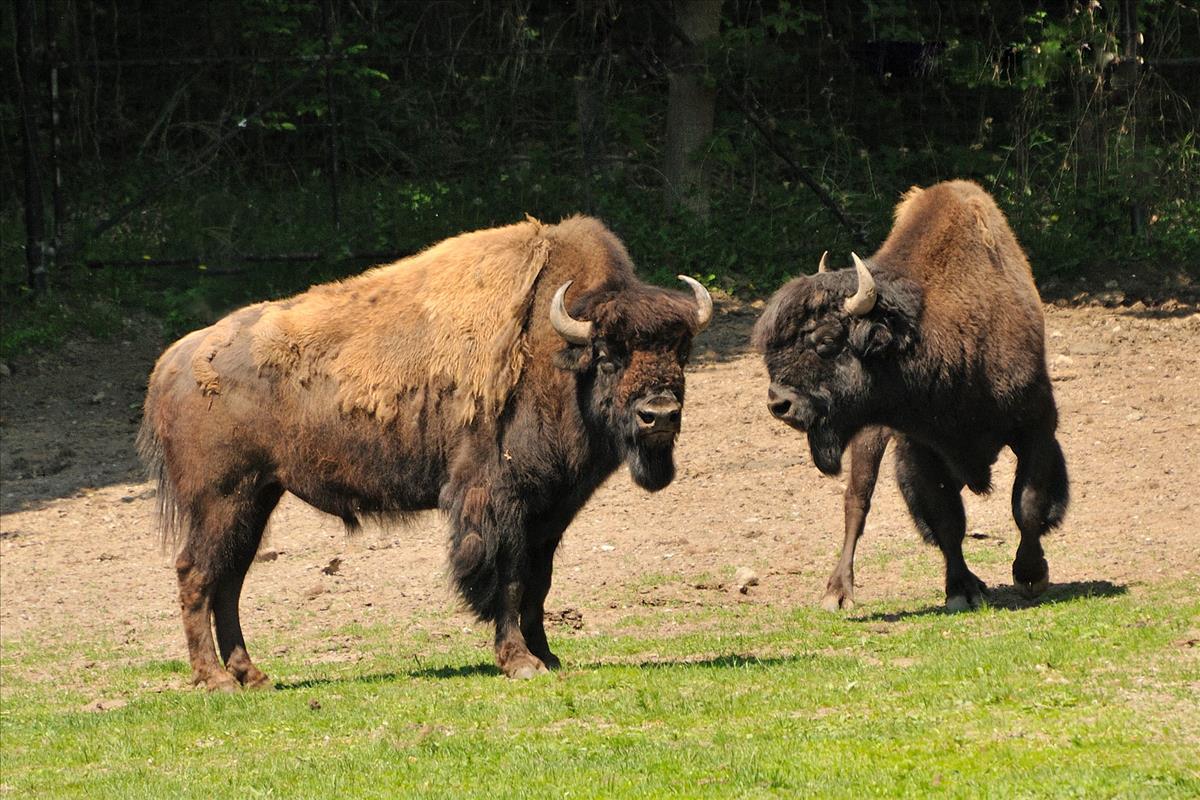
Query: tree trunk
point(590, 84)
point(1130, 67)
point(35, 213)
point(691, 103)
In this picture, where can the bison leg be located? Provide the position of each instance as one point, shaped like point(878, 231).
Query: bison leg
point(935, 501)
point(512, 651)
point(1039, 502)
point(866, 452)
point(242, 545)
point(225, 532)
point(195, 599)
point(533, 606)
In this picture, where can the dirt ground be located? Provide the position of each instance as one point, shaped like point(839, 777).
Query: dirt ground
point(80, 559)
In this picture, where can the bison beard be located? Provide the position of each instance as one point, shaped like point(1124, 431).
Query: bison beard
point(652, 465)
point(826, 447)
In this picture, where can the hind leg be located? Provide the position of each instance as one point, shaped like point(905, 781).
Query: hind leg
point(1039, 502)
point(935, 501)
point(242, 544)
point(220, 533)
point(866, 451)
point(195, 600)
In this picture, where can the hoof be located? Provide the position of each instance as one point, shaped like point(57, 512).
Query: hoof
point(958, 603)
point(527, 671)
point(551, 661)
point(1032, 582)
point(1032, 590)
point(217, 682)
point(524, 666)
point(837, 601)
point(260, 684)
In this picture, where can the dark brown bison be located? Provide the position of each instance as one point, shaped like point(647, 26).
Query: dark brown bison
point(938, 338)
point(499, 376)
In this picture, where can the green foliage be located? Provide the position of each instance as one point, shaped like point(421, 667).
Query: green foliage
point(464, 118)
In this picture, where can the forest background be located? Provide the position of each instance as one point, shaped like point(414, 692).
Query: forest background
point(177, 159)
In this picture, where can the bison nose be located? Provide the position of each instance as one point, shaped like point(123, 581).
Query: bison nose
point(782, 401)
point(658, 414)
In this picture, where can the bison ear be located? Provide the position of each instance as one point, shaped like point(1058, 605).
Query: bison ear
point(893, 326)
point(574, 358)
point(870, 338)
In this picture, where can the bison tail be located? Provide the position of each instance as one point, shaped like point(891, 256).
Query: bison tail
point(168, 511)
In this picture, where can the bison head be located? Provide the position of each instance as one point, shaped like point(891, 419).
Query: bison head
point(628, 346)
point(833, 343)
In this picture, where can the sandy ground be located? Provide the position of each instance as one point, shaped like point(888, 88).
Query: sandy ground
point(80, 560)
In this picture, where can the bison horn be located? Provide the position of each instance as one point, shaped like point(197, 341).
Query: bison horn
point(824, 265)
point(704, 306)
point(573, 330)
point(864, 298)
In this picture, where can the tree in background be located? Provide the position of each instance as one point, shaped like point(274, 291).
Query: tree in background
point(200, 139)
point(691, 106)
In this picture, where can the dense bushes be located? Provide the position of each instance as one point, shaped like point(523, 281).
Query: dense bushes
point(455, 115)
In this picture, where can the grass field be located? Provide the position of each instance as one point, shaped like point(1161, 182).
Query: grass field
point(1080, 696)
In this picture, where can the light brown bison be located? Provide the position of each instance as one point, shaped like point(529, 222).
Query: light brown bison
point(499, 376)
point(939, 338)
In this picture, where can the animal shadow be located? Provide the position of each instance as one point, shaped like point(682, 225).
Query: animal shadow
point(1007, 597)
point(461, 671)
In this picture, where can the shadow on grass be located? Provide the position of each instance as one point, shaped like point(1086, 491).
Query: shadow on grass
point(461, 671)
point(726, 661)
point(1009, 598)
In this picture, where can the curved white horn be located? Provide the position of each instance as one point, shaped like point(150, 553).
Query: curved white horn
point(824, 265)
point(704, 305)
point(573, 330)
point(864, 298)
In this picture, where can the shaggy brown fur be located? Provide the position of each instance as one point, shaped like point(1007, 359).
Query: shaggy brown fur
point(951, 357)
point(435, 382)
point(453, 317)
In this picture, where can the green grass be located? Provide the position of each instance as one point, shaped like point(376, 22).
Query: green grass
point(1082, 697)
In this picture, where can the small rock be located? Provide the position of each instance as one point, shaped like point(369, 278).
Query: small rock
point(744, 578)
point(314, 705)
point(266, 555)
point(1135, 416)
point(1111, 284)
point(97, 398)
point(332, 567)
point(606, 548)
point(1061, 360)
point(5, 371)
point(314, 591)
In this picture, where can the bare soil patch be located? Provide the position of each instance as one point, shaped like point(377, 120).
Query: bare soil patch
point(80, 559)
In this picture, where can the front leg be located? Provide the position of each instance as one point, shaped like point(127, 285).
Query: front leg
point(533, 607)
point(866, 451)
point(512, 651)
point(490, 567)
